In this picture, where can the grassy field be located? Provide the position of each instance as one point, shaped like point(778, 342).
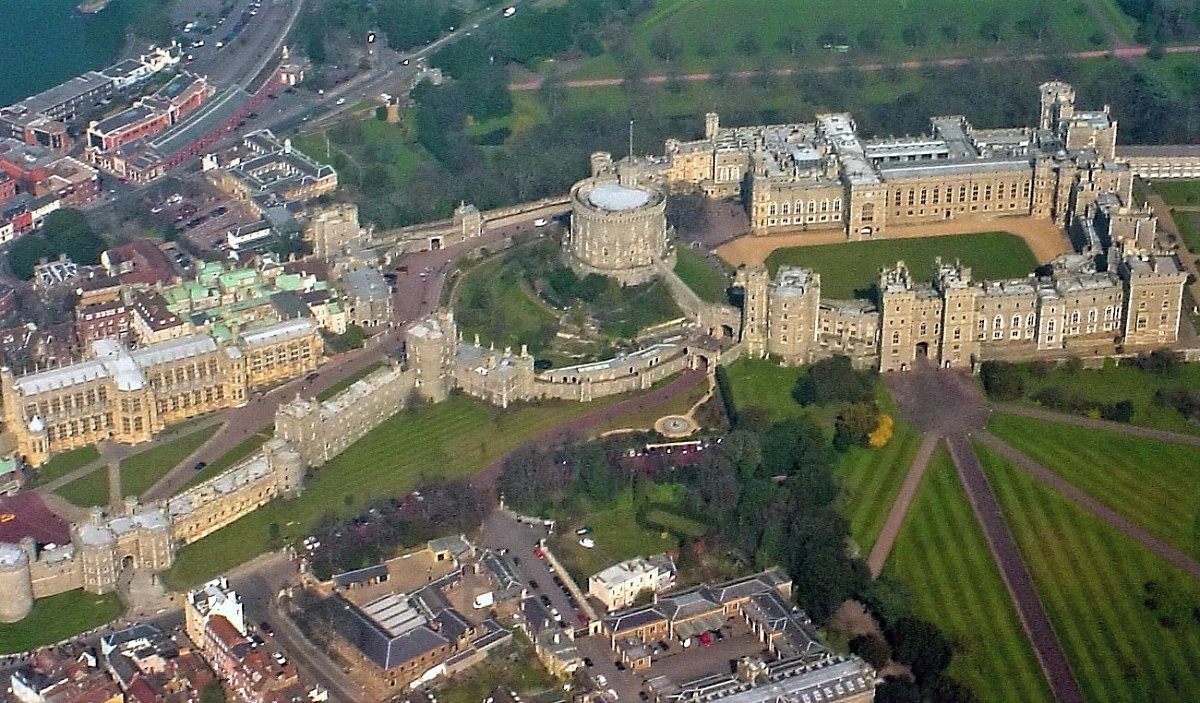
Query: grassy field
point(231, 457)
point(1142, 479)
point(771, 31)
point(517, 314)
point(452, 439)
point(851, 270)
point(138, 472)
point(701, 276)
point(764, 384)
point(870, 480)
point(1115, 383)
point(62, 464)
point(1178, 192)
point(617, 534)
point(678, 524)
point(644, 419)
point(1188, 224)
point(1097, 586)
point(349, 381)
point(57, 618)
point(943, 559)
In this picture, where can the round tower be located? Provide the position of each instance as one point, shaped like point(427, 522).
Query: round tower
point(618, 229)
point(16, 583)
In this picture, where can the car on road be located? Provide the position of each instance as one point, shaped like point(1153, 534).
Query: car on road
point(340, 101)
point(534, 585)
point(509, 11)
point(706, 639)
point(587, 543)
point(537, 552)
point(266, 628)
point(588, 662)
point(541, 222)
point(200, 465)
point(583, 530)
point(545, 599)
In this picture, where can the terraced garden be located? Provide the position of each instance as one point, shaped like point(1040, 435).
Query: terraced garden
point(942, 558)
point(1123, 616)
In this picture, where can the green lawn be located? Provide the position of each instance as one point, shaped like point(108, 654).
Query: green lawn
point(870, 480)
point(943, 560)
point(231, 457)
point(782, 35)
point(1188, 224)
point(1156, 485)
point(851, 270)
point(1093, 580)
point(1115, 383)
point(515, 316)
point(700, 275)
point(138, 472)
point(764, 384)
point(57, 618)
point(645, 419)
point(676, 523)
point(636, 309)
point(452, 439)
point(1178, 192)
point(349, 381)
point(617, 534)
point(62, 464)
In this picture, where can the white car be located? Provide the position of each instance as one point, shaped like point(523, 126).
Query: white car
point(587, 543)
point(541, 222)
point(510, 11)
point(340, 101)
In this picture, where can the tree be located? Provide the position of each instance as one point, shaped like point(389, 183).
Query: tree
point(920, 645)
point(791, 40)
point(834, 380)
point(213, 692)
point(873, 649)
point(1002, 380)
point(749, 44)
point(64, 231)
point(665, 46)
point(854, 425)
point(687, 213)
point(897, 689)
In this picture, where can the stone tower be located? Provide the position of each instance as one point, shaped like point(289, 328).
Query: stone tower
point(288, 467)
point(618, 229)
point(16, 583)
point(95, 548)
point(1057, 104)
point(430, 347)
point(754, 284)
point(1153, 297)
point(793, 308)
point(959, 346)
point(898, 303)
point(712, 125)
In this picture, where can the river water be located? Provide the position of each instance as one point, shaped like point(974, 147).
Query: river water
point(45, 42)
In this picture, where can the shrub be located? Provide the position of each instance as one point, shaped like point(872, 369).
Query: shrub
point(1002, 380)
point(835, 380)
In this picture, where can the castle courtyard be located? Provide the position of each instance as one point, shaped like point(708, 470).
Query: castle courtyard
point(1045, 239)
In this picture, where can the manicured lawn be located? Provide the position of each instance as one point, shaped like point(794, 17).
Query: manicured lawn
point(516, 317)
point(138, 473)
point(617, 534)
point(63, 464)
point(700, 275)
point(1188, 224)
point(676, 523)
point(645, 419)
point(851, 270)
point(349, 381)
point(1178, 192)
point(231, 457)
point(1093, 580)
point(1154, 484)
point(942, 27)
point(870, 480)
point(57, 618)
point(943, 560)
point(1114, 383)
point(764, 384)
point(453, 439)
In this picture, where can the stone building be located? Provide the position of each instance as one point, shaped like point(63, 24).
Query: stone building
point(618, 226)
point(334, 231)
point(822, 175)
point(130, 395)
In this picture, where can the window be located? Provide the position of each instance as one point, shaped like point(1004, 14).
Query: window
point(1030, 320)
point(1016, 321)
point(1092, 315)
point(998, 323)
point(837, 204)
point(895, 337)
point(785, 209)
point(1075, 318)
point(868, 212)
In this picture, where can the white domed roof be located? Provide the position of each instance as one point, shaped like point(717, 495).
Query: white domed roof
point(614, 196)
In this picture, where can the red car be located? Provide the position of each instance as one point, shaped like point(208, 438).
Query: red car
point(706, 639)
point(537, 552)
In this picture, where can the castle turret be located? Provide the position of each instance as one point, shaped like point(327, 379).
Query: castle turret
point(712, 125)
point(430, 346)
point(792, 311)
point(16, 583)
point(288, 467)
point(1057, 104)
point(754, 283)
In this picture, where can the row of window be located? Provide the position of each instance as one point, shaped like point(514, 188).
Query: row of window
point(84, 426)
point(938, 194)
point(801, 206)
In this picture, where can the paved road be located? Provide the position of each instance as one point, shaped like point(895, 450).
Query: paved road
point(1090, 504)
point(1123, 52)
point(577, 428)
point(908, 491)
point(1093, 424)
point(949, 403)
point(1012, 568)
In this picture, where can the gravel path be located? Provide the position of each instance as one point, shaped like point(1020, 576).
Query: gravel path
point(1090, 504)
point(908, 491)
point(1016, 577)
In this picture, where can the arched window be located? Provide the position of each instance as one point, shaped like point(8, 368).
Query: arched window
point(799, 208)
point(1030, 320)
point(1092, 315)
point(1075, 318)
point(837, 204)
point(785, 209)
point(998, 323)
point(812, 206)
point(825, 205)
point(1016, 321)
